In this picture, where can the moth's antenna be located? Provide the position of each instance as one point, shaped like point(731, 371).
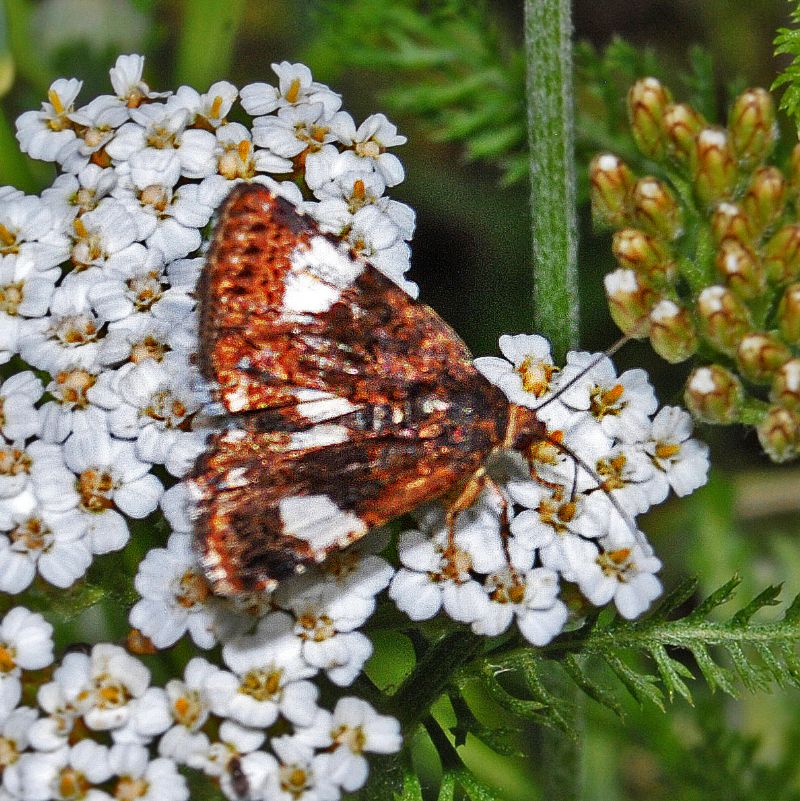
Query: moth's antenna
point(589, 367)
point(578, 462)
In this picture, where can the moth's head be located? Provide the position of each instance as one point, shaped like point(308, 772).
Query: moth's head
point(523, 430)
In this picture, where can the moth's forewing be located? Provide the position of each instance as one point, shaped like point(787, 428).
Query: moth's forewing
point(353, 403)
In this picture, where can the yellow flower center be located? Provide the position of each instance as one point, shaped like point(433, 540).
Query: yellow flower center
point(11, 296)
point(14, 461)
point(95, 488)
point(263, 685)
point(193, 589)
point(72, 385)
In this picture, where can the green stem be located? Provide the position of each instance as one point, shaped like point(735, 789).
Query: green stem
point(432, 674)
point(551, 137)
point(206, 43)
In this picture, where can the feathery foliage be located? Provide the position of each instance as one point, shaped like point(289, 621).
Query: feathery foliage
point(729, 653)
point(787, 42)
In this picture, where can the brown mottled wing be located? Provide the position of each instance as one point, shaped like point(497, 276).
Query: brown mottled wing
point(354, 403)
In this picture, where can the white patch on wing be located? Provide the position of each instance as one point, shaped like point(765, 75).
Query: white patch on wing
point(319, 272)
point(317, 411)
point(318, 437)
point(317, 520)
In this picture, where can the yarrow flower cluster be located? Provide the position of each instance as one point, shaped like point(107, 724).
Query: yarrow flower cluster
point(97, 297)
point(193, 721)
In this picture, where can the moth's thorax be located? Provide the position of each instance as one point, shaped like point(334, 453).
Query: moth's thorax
point(523, 428)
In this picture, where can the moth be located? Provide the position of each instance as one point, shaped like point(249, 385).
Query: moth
point(349, 403)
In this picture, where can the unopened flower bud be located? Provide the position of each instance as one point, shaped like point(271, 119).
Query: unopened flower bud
point(785, 389)
point(763, 202)
point(789, 314)
point(655, 208)
point(741, 268)
point(752, 126)
point(714, 168)
point(779, 434)
point(794, 171)
point(630, 301)
point(644, 253)
point(612, 183)
point(781, 254)
point(647, 99)
point(672, 332)
point(681, 125)
point(729, 220)
point(760, 354)
point(714, 394)
point(723, 317)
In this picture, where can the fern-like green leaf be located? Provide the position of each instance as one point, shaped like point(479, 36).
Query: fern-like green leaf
point(728, 654)
point(787, 42)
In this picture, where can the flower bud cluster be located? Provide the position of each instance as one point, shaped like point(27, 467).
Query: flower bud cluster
point(708, 248)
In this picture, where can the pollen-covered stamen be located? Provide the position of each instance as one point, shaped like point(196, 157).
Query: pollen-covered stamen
point(370, 149)
point(145, 290)
point(616, 563)
point(156, 196)
point(31, 535)
point(667, 450)
point(109, 692)
point(607, 401)
point(237, 161)
point(88, 246)
point(293, 92)
point(316, 628)
point(353, 737)
point(455, 565)
point(262, 684)
point(95, 488)
point(72, 784)
point(8, 242)
point(359, 197)
point(148, 348)
point(188, 708)
point(60, 121)
point(166, 409)
point(313, 136)
point(192, 590)
point(129, 788)
point(612, 471)
point(70, 387)
point(85, 199)
point(8, 660)
point(506, 587)
point(215, 108)
point(11, 296)
point(9, 752)
point(74, 330)
point(14, 461)
point(162, 138)
point(295, 780)
point(536, 375)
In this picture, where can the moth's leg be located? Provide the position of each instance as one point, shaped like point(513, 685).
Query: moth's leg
point(469, 493)
point(464, 499)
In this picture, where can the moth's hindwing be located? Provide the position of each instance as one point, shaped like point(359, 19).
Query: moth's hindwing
point(353, 402)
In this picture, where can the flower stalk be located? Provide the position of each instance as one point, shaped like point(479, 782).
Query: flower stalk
point(548, 45)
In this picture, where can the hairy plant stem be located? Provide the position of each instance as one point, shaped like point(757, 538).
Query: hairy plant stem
point(432, 674)
point(548, 46)
point(548, 28)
